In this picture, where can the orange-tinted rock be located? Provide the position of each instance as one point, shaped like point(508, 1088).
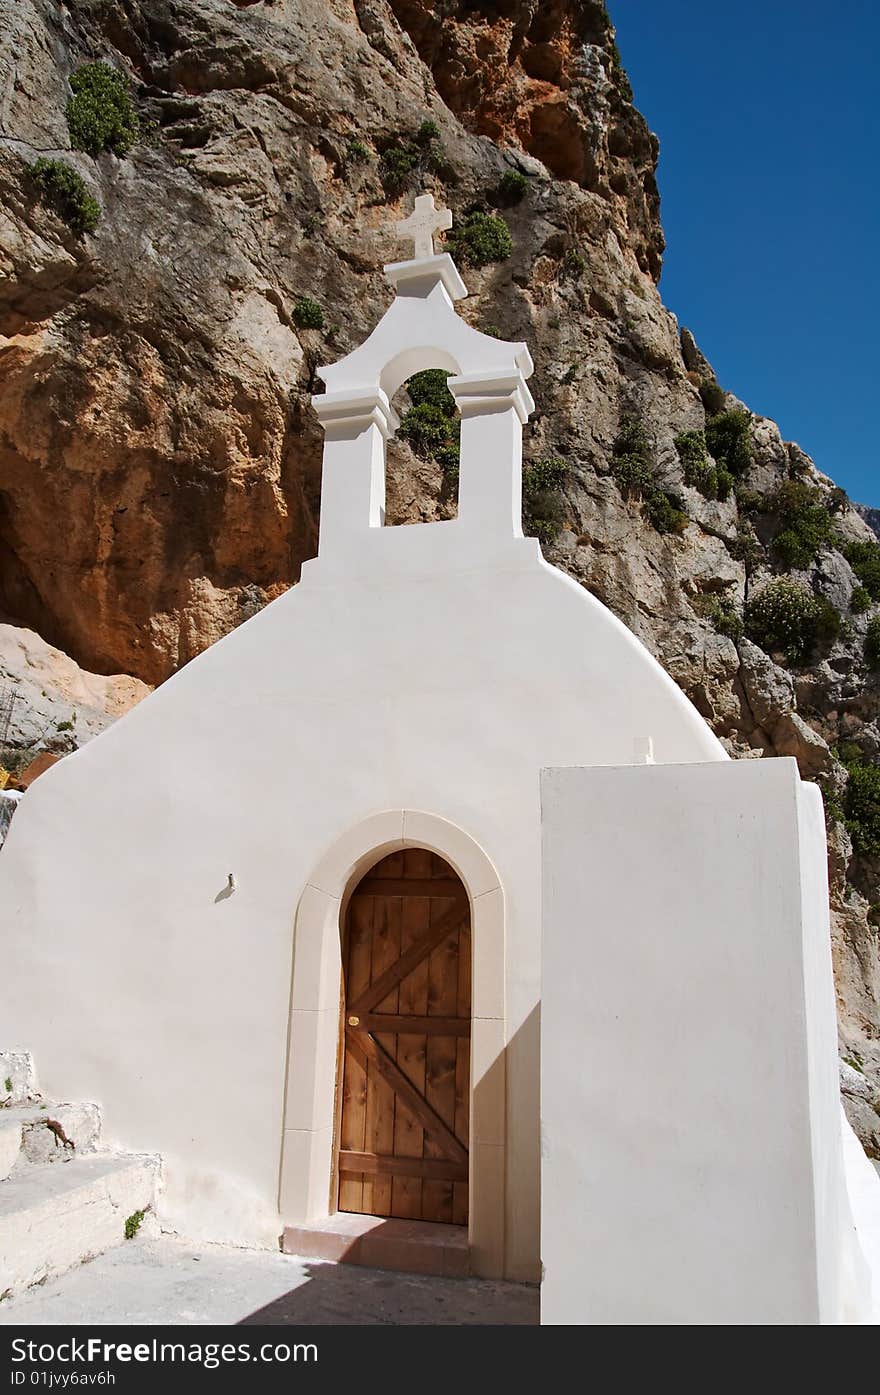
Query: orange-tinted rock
point(37, 767)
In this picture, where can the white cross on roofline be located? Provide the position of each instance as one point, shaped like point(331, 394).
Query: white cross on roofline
point(422, 224)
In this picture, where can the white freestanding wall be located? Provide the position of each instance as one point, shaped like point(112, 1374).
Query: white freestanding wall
point(692, 1167)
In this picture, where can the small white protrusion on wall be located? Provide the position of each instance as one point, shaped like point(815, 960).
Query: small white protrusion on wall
point(643, 750)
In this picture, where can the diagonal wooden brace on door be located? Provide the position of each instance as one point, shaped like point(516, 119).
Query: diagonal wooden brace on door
point(452, 920)
point(364, 1047)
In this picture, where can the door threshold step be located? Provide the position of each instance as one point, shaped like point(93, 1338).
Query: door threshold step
point(383, 1242)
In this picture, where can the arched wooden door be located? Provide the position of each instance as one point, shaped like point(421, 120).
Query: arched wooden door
point(403, 1132)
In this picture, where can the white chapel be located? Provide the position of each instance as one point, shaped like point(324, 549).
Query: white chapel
point(427, 895)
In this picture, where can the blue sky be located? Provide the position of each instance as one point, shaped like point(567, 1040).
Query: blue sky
point(767, 115)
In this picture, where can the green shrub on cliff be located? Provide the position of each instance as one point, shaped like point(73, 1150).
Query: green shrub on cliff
point(729, 439)
point(722, 612)
point(307, 313)
point(481, 238)
point(512, 187)
point(67, 194)
point(635, 473)
point(101, 114)
point(429, 388)
point(431, 425)
point(861, 807)
point(543, 512)
point(713, 481)
point(426, 427)
point(859, 600)
point(864, 558)
point(808, 525)
point(398, 165)
point(872, 643)
point(712, 395)
point(663, 510)
point(787, 616)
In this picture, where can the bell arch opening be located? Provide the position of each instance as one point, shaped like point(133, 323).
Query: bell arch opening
point(424, 456)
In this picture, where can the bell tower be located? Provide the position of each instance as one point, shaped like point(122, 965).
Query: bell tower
point(420, 330)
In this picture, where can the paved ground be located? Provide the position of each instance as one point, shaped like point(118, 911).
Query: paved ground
point(167, 1281)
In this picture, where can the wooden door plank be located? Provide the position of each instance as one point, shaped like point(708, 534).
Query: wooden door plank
point(418, 865)
point(417, 951)
point(437, 1196)
point(379, 1163)
point(430, 1120)
point(405, 1022)
point(354, 1081)
point(463, 1072)
point(409, 1055)
point(409, 886)
point(380, 1106)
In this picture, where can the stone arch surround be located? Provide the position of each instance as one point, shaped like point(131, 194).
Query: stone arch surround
point(307, 1160)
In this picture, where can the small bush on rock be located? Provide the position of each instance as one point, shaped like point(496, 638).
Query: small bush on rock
point(573, 264)
point(872, 643)
point(405, 157)
point(745, 547)
point(861, 807)
point(544, 474)
point(307, 313)
point(864, 558)
point(722, 612)
point(713, 481)
point(749, 500)
point(663, 510)
point(431, 425)
point(618, 72)
point(133, 1224)
point(634, 471)
point(807, 523)
point(101, 114)
point(482, 238)
point(448, 456)
point(859, 601)
point(543, 513)
point(631, 463)
point(729, 439)
point(513, 187)
point(712, 396)
point(67, 194)
point(429, 387)
point(786, 616)
point(356, 152)
point(397, 166)
point(426, 427)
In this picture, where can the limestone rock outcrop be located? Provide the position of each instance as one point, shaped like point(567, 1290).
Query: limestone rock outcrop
point(48, 703)
point(159, 457)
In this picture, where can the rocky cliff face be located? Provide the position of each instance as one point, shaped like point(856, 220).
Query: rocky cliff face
point(160, 462)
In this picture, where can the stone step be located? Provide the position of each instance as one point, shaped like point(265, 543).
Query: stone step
point(379, 1242)
point(18, 1077)
point(10, 1145)
point(79, 1124)
point(52, 1218)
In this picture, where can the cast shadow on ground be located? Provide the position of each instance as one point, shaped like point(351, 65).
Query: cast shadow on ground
point(343, 1295)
